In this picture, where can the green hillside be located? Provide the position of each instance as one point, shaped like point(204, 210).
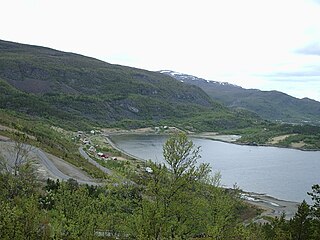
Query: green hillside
point(270, 105)
point(79, 90)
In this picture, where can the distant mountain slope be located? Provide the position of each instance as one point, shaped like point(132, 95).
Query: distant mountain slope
point(56, 85)
point(271, 105)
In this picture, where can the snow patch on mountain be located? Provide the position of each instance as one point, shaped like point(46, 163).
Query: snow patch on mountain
point(182, 77)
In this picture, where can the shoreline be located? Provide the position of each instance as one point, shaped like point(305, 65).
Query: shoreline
point(219, 139)
point(226, 138)
point(114, 146)
point(271, 206)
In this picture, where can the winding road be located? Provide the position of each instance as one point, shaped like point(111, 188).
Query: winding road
point(48, 164)
point(90, 160)
point(41, 157)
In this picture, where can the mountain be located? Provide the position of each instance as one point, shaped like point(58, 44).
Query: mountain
point(73, 90)
point(270, 105)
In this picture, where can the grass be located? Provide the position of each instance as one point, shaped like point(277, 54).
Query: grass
point(48, 139)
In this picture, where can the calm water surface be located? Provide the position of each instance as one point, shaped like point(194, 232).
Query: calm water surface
point(283, 173)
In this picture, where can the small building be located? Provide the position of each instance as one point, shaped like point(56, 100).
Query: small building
point(92, 149)
point(149, 170)
point(102, 155)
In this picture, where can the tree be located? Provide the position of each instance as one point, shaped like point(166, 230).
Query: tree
point(169, 200)
point(17, 155)
point(315, 195)
point(181, 155)
point(301, 222)
point(315, 211)
point(74, 214)
point(20, 217)
point(180, 200)
point(18, 173)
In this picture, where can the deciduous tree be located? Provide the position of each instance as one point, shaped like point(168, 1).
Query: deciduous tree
point(180, 201)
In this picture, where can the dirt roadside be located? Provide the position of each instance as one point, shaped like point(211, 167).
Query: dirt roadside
point(66, 168)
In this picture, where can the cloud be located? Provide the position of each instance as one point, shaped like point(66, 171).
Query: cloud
point(311, 49)
point(297, 86)
point(295, 77)
point(315, 75)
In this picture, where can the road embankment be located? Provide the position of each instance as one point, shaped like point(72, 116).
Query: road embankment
point(47, 166)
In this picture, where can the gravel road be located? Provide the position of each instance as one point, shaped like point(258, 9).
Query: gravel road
point(50, 169)
point(90, 160)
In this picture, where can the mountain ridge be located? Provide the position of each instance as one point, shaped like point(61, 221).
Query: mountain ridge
point(270, 105)
point(55, 85)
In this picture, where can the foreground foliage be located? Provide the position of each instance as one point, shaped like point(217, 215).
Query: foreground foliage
point(178, 200)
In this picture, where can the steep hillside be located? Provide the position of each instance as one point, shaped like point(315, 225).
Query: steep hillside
point(271, 105)
point(55, 85)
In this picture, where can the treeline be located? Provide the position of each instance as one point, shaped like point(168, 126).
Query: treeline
point(179, 200)
point(263, 133)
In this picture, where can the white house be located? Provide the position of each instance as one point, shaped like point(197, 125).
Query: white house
point(149, 170)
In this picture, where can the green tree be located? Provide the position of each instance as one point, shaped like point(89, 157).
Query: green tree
point(18, 173)
point(74, 214)
point(180, 201)
point(118, 204)
point(315, 195)
point(315, 211)
point(181, 155)
point(20, 217)
point(301, 222)
point(280, 229)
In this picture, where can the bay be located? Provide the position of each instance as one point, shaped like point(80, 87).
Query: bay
point(286, 174)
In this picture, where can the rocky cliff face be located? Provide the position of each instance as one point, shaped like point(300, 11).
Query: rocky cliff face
point(70, 85)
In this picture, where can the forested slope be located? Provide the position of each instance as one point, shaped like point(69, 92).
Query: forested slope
point(270, 105)
point(55, 85)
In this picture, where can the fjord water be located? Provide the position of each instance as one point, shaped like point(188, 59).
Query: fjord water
point(286, 174)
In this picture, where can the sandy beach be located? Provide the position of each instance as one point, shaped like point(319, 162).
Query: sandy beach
point(217, 137)
point(271, 206)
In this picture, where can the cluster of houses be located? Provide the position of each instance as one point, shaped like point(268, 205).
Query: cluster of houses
point(86, 141)
point(92, 149)
point(83, 138)
point(100, 155)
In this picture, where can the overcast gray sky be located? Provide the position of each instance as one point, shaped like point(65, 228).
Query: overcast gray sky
point(270, 44)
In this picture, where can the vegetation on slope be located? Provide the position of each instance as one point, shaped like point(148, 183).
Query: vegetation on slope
point(306, 136)
point(43, 135)
point(74, 90)
point(270, 105)
point(177, 201)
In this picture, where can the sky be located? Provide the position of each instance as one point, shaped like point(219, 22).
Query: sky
point(263, 44)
